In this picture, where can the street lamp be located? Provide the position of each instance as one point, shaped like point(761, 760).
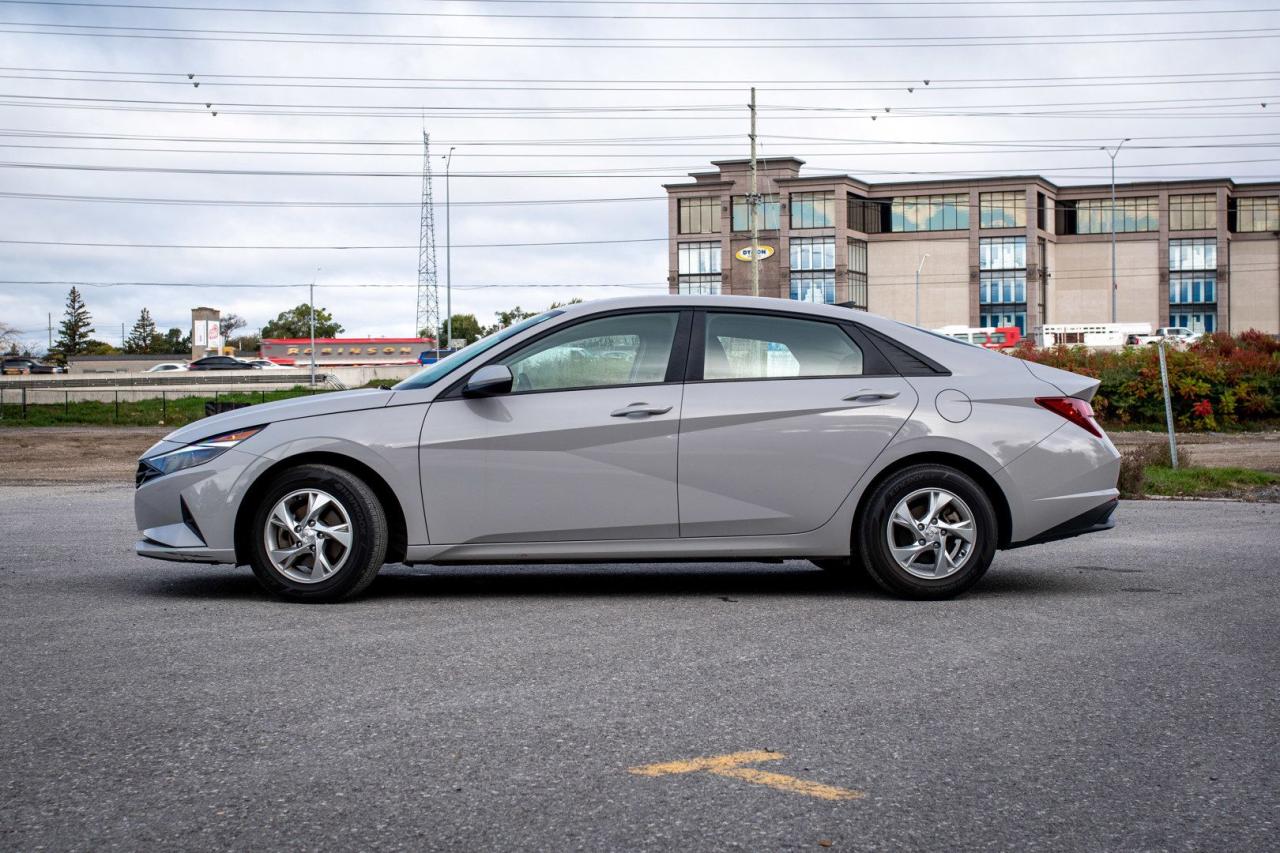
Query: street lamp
point(1112, 152)
point(448, 266)
point(923, 258)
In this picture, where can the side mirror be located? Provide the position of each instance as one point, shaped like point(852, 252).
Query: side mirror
point(488, 381)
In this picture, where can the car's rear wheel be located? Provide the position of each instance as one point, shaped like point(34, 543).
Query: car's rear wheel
point(319, 534)
point(928, 531)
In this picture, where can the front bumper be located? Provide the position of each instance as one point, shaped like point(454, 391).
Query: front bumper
point(189, 515)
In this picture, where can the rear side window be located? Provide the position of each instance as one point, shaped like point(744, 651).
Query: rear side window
point(759, 346)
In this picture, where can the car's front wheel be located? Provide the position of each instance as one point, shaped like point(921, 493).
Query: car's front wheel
point(928, 531)
point(319, 534)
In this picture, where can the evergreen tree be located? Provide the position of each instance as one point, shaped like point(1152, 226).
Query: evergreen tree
point(142, 336)
point(76, 328)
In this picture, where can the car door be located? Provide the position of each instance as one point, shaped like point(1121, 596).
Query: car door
point(583, 446)
point(782, 414)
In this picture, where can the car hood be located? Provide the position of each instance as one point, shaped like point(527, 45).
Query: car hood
point(329, 403)
point(1070, 384)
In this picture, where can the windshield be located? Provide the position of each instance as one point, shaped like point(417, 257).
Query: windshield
point(447, 365)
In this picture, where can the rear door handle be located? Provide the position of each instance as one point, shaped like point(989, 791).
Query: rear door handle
point(868, 396)
point(639, 409)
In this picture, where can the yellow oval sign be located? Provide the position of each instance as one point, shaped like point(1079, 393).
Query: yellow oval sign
point(750, 253)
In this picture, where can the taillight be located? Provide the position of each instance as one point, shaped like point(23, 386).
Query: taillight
point(1077, 411)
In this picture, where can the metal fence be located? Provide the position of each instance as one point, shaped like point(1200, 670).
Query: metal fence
point(141, 407)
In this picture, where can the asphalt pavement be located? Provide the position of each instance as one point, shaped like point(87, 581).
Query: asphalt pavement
point(1114, 692)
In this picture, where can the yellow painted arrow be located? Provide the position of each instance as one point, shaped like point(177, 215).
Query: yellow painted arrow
point(733, 766)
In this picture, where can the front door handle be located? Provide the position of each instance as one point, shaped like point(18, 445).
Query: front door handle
point(866, 396)
point(639, 409)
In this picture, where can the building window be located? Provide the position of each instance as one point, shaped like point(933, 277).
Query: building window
point(813, 269)
point(1193, 212)
point(865, 214)
point(813, 210)
point(1042, 208)
point(858, 274)
point(1002, 282)
point(1193, 284)
point(1256, 214)
point(930, 213)
point(1002, 210)
point(699, 215)
point(699, 267)
point(770, 207)
point(1093, 215)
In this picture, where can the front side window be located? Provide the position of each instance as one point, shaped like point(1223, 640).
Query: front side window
point(768, 213)
point(1002, 210)
point(628, 349)
point(432, 374)
point(1193, 212)
point(813, 210)
point(699, 215)
point(759, 346)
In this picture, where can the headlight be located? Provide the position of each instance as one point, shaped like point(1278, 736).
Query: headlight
point(196, 453)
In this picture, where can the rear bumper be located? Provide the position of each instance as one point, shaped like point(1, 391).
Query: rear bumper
point(1095, 520)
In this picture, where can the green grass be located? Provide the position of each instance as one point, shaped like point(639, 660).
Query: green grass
point(151, 411)
point(1205, 482)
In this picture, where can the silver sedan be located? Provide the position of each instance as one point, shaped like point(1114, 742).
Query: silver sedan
point(697, 428)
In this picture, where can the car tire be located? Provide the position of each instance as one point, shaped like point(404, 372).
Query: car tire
point(319, 534)
point(928, 558)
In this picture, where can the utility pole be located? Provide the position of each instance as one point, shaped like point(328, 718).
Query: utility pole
point(753, 204)
point(50, 331)
point(1114, 287)
point(448, 262)
point(922, 260)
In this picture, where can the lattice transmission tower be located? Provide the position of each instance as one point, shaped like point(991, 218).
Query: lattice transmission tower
point(428, 312)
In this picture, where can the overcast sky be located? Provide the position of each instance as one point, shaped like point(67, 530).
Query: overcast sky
point(1205, 119)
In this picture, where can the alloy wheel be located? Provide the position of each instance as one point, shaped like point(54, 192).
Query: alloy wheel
point(308, 536)
point(931, 533)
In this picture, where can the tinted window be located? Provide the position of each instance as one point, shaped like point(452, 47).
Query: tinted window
point(424, 378)
point(757, 346)
point(628, 349)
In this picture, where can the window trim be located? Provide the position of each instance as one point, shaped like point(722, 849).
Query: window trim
point(875, 365)
point(676, 360)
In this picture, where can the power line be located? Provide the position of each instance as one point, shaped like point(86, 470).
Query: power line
point(303, 203)
point(625, 17)
point(278, 247)
point(596, 42)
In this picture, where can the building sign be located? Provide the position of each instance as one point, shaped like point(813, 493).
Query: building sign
point(206, 333)
point(749, 253)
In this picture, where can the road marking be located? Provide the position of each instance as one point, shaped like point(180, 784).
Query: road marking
point(732, 765)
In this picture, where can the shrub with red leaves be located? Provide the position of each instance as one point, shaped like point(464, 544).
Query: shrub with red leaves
point(1221, 381)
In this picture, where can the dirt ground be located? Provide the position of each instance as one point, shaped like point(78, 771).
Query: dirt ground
point(1257, 450)
point(45, 455)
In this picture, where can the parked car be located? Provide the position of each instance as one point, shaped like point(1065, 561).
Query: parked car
point(21, 365)
point(166, 367)
point(738, 428)
point(219, 362)
point(1179, 337)
point(264, 363)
